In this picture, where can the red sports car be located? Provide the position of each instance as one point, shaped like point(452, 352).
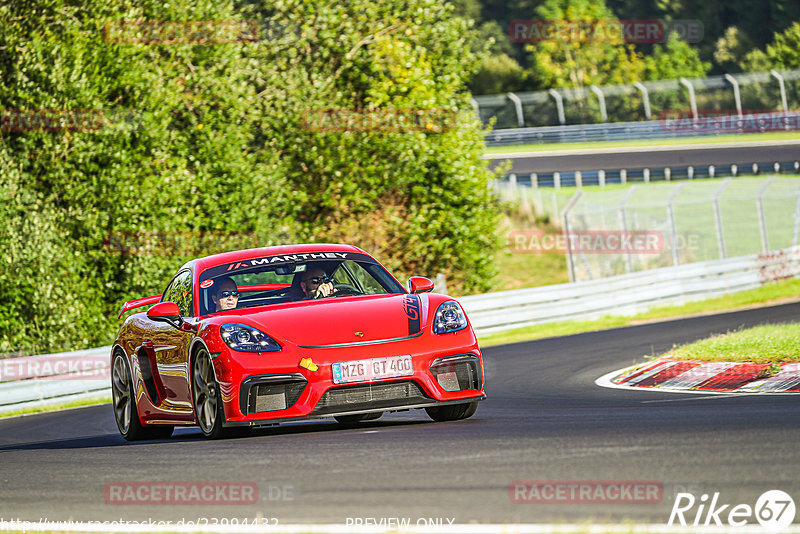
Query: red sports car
point(261, 336)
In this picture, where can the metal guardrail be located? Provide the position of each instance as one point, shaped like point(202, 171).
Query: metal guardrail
point(652, 129)
point(53, 378)
point(629, 293)
point(47, 379)
point(645, 175)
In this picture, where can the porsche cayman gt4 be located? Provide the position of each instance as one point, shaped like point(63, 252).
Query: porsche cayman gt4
point(262, 336)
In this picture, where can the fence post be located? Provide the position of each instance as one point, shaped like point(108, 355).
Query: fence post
point(736, 95)
point(602, 99)
point(645, 99)
point(562, 119)
point(796, 219)
point(556, 215)
point(692, 100)
point(518, 107)
point(601, 178)
point(512, 187)
point(718, 219)
point(476, 107)
point(676, 253)
point(777, 75)
point(762, 221)
point(565, 230)
point(624, 223)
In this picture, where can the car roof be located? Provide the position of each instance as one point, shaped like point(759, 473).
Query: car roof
point(201, 264)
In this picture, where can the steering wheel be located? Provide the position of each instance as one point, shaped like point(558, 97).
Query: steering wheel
point(341, 290)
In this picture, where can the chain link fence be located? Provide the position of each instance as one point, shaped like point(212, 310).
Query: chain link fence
point(612, 232)
point(726, 95)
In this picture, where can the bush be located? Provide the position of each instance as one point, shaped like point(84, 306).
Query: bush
point(216, 137)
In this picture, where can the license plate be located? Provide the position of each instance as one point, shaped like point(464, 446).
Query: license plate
point(372, 369)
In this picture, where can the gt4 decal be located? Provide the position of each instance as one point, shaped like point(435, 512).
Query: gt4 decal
point(412, 309)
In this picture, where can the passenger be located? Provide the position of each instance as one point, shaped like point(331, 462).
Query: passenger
point(225, 294)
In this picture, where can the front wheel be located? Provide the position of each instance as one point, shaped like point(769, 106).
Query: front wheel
point(452, 412)
point(123, 400)
point(208, 409)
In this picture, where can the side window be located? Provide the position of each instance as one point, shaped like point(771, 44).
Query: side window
point(364, 280)
point(179, 291)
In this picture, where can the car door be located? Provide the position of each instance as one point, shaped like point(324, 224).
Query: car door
point(170, 346)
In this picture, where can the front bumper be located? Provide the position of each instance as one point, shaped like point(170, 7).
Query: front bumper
point(275, 387)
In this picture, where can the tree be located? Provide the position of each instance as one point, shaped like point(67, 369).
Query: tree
point(674, 59)
point(185, 134)
point(577, 62)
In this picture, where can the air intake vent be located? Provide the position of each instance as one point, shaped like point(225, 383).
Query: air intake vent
point(457, 373)
point(371, 396)
point(271, 392)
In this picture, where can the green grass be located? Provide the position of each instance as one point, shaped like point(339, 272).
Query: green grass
point(59, 406)
point(553, 147)
point(768, 294)
point(762, 344)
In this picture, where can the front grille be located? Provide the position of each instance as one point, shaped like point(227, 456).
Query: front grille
point(271, 392)
point(370, 396)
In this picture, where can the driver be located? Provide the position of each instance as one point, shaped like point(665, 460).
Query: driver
point(226, 294)
point(316, 283)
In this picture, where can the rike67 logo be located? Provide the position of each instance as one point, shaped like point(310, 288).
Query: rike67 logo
point(774, 510)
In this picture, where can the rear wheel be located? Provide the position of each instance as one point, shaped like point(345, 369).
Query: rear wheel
point(357, 418)
point(452, 412)
point(208, 409)
point(124, 402)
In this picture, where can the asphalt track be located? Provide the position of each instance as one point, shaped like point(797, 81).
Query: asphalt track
point(650, 157)
point(544, 419)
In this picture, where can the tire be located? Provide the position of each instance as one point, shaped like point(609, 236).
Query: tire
point(126, 414)
point(452, 412)
point(208, 409)
point(357, 418)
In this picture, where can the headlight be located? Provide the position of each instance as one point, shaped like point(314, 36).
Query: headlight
point(247, 339)
point(449, 318)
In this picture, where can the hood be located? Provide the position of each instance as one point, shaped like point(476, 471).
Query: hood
point(340, 320)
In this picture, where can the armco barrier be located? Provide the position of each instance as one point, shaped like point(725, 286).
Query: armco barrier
point(47, 379)
point(629, 293)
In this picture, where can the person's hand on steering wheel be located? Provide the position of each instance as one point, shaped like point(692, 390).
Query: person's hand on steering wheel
point(323, 290)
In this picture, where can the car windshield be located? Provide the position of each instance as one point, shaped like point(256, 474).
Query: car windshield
point(266, 281)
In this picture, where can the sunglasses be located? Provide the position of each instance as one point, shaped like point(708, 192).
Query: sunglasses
point(226, 294)
point(319, 279)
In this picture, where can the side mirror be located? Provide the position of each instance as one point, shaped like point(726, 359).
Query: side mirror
point(419, 284)
point(166, 312)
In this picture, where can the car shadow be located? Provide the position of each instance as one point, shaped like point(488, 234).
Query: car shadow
point(193, 434)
